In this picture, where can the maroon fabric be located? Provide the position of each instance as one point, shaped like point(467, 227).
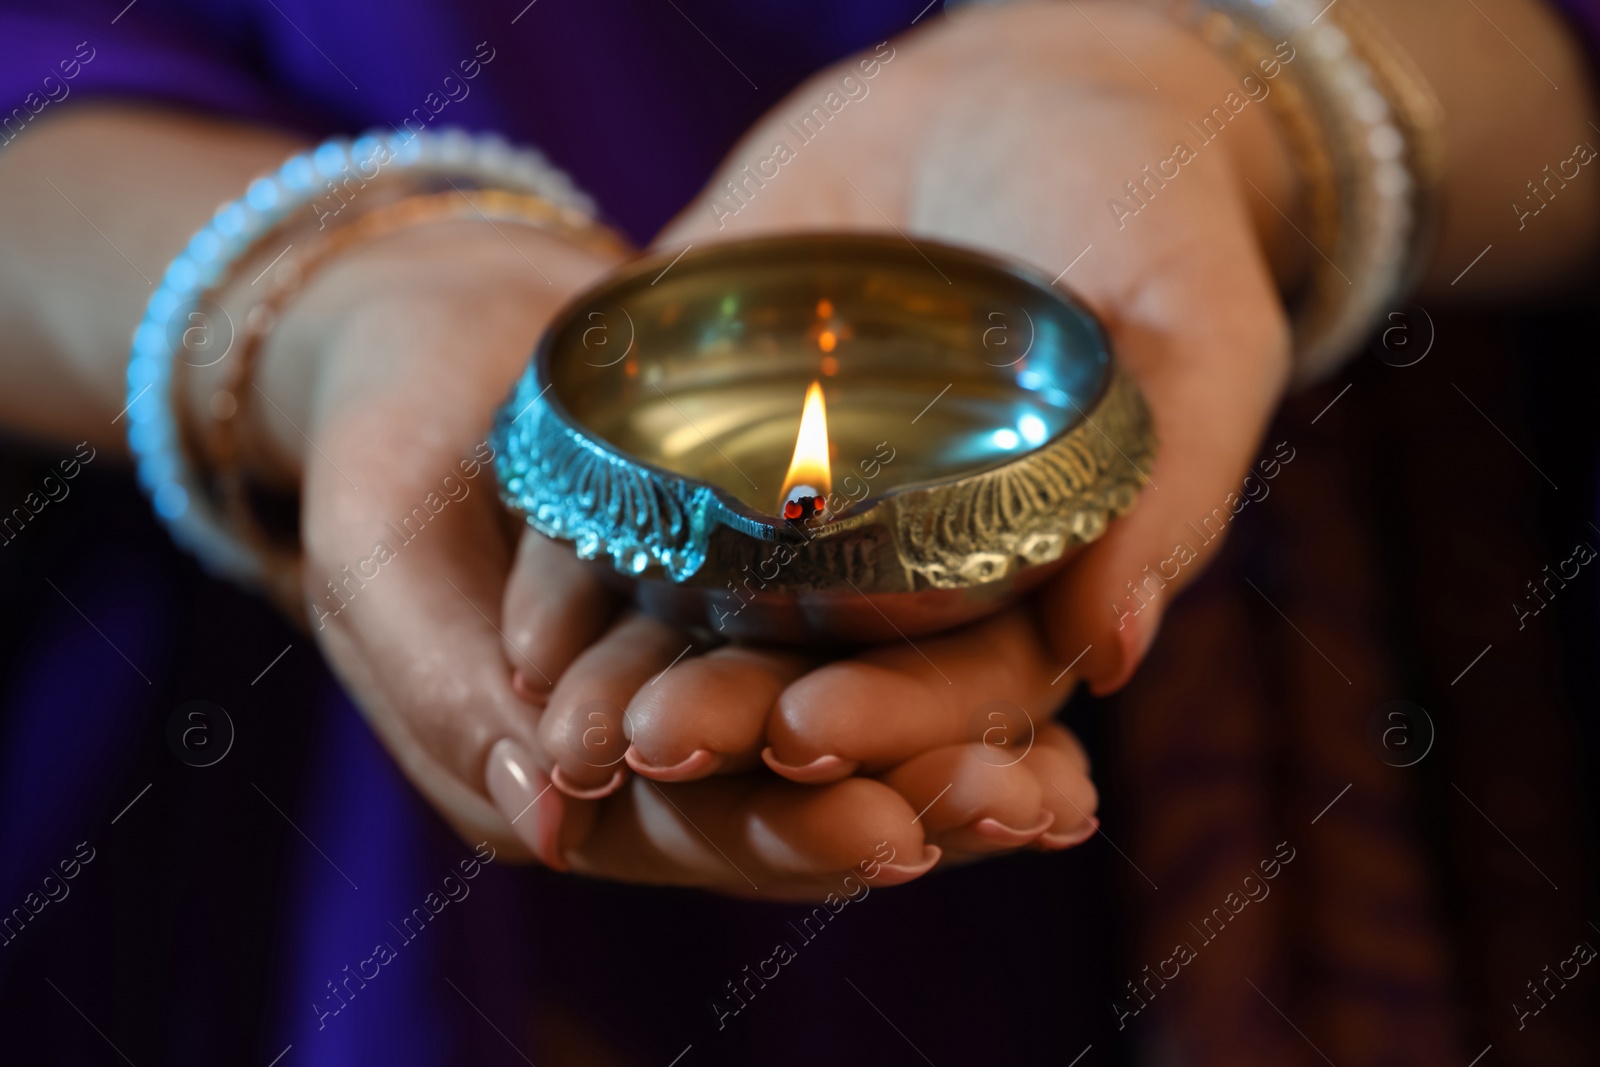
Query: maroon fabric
point(1420, 899)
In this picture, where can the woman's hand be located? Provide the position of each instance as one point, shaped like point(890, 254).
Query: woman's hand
point(393, 364)
point(1011, 130)
point(955, 731)
point(1016, 129)
point(963, 147)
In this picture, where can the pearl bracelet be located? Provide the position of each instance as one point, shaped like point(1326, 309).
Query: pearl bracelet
point(1367, 134)
point(179, 305)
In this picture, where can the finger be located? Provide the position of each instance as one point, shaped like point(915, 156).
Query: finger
point(708, 714)
point(970, 802)
point(418, 637)
point(1061, 768)
point(1208, 346)
point(524, 796)
point(583, 731)
point(555, 606)
point(887, 705)
point(753, 835)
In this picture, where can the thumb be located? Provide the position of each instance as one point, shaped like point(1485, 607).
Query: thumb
point(1210, 351)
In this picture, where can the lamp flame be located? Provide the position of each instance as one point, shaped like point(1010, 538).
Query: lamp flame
point(808, 470)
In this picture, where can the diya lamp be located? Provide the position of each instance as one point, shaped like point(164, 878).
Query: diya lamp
point(823, 438)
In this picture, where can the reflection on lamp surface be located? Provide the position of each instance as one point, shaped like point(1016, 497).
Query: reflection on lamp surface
point(682, 420)
point(956, 377)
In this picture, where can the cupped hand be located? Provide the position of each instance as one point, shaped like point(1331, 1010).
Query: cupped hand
point(1018, 130)
point(1015, 156)
point(945, 741)
point(1011, 130)
point(408, 347)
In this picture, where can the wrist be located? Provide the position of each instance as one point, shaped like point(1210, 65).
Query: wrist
point(1177, 81)
point(1214, 105)
point(473, 294)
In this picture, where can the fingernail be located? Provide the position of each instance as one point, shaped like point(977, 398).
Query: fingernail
point(700, 763)
point(1052, 842)
point(901, 873)
point(821, 769)
point(559, 779)
point(526, 689)
point(1135, 642)
point(522, 793)
point(1011, 836)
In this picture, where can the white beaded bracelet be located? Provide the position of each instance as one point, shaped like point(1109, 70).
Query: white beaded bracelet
point(165, 472)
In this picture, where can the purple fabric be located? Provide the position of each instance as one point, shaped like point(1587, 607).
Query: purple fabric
point(1585, 17)
point(638, 100)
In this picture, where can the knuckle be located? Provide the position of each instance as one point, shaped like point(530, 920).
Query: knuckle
point(519, 641)
point(444, 712)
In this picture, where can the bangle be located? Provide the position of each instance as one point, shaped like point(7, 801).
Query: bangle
point(216, 447)
point(201, 499)
point(1366, 133)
